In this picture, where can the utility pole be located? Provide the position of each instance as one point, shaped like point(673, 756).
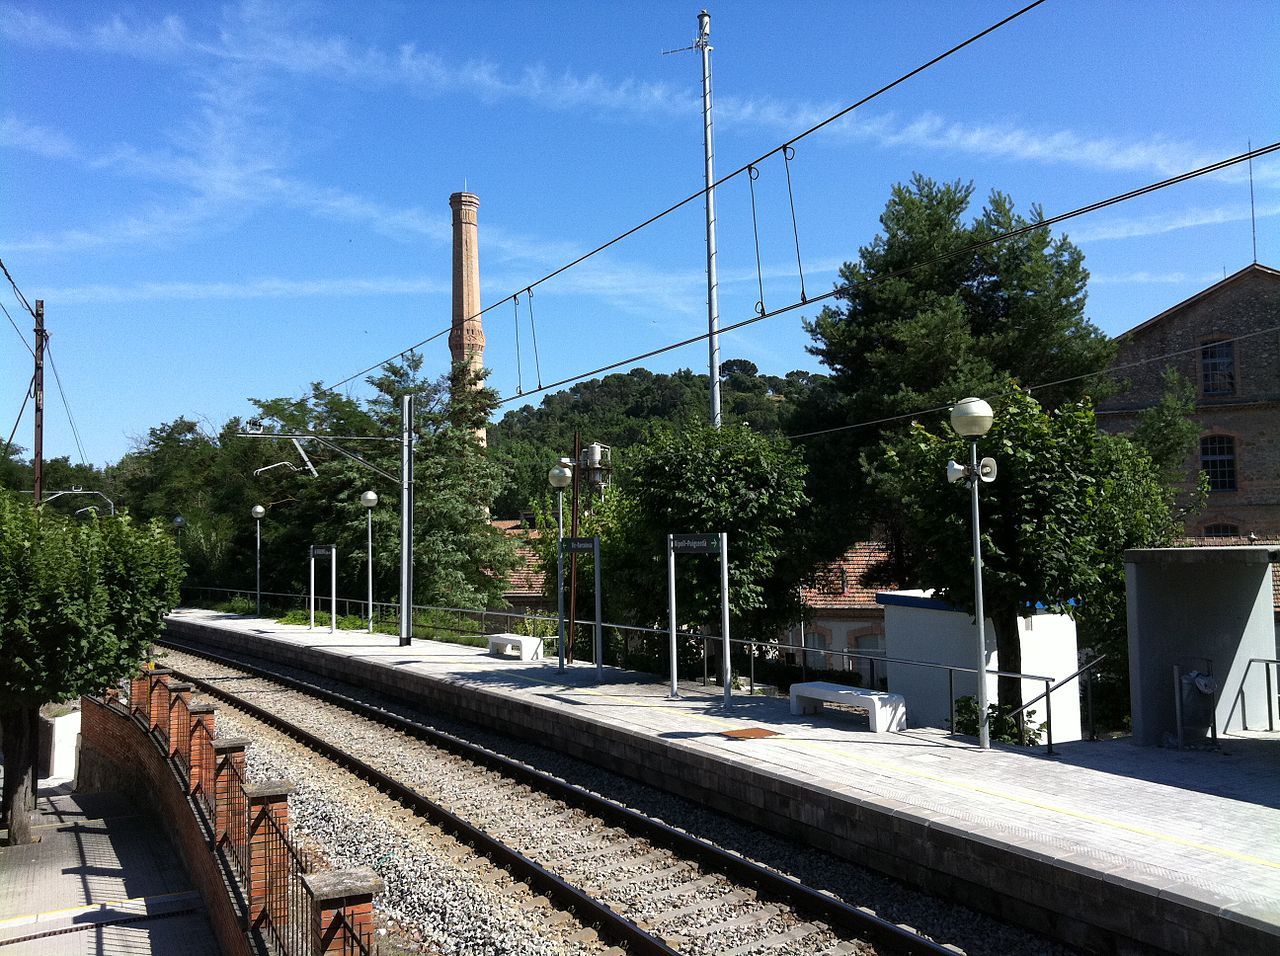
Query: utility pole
point(573, 533)
point(406, 520)
point(38, 388)
point(703, 44)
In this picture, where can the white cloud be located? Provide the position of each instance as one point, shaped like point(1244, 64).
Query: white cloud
point(40, 140)
point(1142, 277)
point(261, 288)
point(1140, 226)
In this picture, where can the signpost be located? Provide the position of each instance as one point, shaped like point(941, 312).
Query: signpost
point(329, 551)
point(588, 546)
point(699, 543)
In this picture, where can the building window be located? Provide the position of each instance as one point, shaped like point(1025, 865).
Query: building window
point(1218, 368)
point(1221, 529)
point(1218, 459)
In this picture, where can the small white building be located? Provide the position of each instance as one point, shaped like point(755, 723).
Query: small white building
point(926, 631)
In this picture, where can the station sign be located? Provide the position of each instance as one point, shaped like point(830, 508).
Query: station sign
point(323, 550)
point(695, 543)
point(578, 545)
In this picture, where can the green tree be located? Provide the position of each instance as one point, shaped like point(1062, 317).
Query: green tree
point(80, 604)
point(1066, 504)
point(922, 319)
point(701, 479)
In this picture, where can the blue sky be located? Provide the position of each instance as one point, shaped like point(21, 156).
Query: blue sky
point(219, 201)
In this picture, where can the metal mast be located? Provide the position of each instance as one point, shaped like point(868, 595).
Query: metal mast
point(37, 386)
point(703, 44)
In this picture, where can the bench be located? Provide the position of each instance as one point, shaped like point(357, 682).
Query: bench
point(516, 645)
point(888, 712)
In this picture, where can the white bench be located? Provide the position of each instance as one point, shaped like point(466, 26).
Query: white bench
point(524, 648)
point(888, 712)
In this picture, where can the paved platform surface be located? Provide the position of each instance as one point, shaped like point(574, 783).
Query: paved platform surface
point(103, 879)
point(1204, 826)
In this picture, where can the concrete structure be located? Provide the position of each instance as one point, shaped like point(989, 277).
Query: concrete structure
point(1223, 340)
point(57, 754)
point(1189, 604)
point(919, 627)
point(1110, 847)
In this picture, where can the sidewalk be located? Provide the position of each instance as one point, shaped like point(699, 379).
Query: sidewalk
point(102, 880)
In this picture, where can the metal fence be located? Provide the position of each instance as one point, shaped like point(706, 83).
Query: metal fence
point(287, 903)
point(179, 718)
point(237, 816)
point(342, 939)
point(160, 706)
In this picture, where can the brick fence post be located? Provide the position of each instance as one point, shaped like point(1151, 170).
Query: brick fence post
point(157, 675)
point(269, 859)
point(228, 755)
point(203, 726)
point(178, 726)
point(348, 893)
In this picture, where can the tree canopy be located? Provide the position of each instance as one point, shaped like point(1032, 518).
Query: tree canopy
point(80, 604)
point(1066, 504)
point(929, 314)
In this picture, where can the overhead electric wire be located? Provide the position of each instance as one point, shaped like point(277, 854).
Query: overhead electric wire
point(905, 270)
point(17, 421)
point(18, 330)
point(16, 291)
point(1109, 370)
point(721, 181)
point(75, 432)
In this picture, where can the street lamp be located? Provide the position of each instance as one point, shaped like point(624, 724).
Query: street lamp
point(179, 523)
point(369, 499)
point(971, 418)
point(559, 476)
point(258, 511)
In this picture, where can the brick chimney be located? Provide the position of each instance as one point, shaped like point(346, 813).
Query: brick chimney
point(466, 338)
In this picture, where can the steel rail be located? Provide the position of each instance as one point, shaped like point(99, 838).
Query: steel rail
point(887, 936)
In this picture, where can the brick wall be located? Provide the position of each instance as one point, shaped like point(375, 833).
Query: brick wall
point(115, 755)
point(1246, 304)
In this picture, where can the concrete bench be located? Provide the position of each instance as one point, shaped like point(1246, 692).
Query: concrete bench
point(888, 712)
point(516, 645)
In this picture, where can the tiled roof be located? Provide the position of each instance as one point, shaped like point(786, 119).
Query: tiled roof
point(1239, 541)
point(526, 579)
point(844, 583)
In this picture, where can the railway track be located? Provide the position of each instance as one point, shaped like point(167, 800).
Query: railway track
point(648, 886)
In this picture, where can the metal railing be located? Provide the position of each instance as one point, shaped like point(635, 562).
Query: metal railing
point(345, 938)
point(487, 623)
point(202, 787)
point(1268, 664)
point(287, 903)
point(161, 702)
point(180, 719)
point(237, 821)
point(1020, 713)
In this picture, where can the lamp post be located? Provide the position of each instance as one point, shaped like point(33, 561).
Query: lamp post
point(258, 511)
point(559, 477)
point(971, 418)
point(369, 499)
point(179, 523)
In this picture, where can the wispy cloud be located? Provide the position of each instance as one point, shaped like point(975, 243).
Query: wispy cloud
point(1141, 226)
point(39, 140)
point(261, 288)
point(1143, 277)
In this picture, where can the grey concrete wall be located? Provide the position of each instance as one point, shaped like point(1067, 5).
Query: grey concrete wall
point(1024, 883)
point(1189, 603)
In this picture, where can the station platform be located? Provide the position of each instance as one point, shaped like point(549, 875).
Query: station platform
point(102, 879)
point(1110, 847)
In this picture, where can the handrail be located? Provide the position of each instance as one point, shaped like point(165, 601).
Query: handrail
point(1065, 680)
point(1271, 701)
point(1048, 707)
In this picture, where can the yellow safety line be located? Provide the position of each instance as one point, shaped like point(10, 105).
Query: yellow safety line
point(29, 918)
point(963, 785)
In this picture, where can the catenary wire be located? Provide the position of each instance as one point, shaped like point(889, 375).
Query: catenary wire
point(75, 432)
point(17, 421)
point(724, 179)
point(1109, 370)
point(16, 291)
point(905, 270)
point(18, 330)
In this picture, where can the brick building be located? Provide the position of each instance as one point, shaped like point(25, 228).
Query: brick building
point(846, 618)
point(1226, 340)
